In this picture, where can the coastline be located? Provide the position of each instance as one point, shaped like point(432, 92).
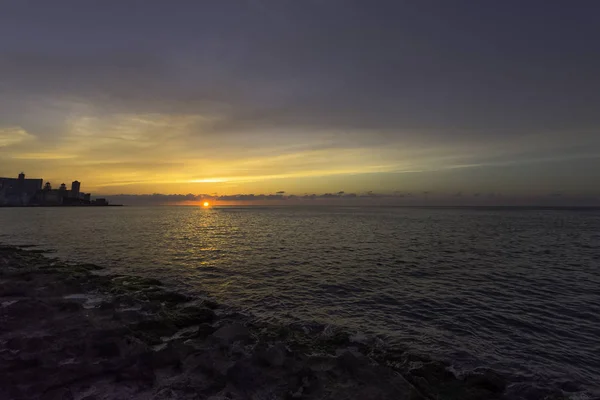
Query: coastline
point(78, 331)
point(60, 205)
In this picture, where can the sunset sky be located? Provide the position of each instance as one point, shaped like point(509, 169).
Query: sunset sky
point(311, 96)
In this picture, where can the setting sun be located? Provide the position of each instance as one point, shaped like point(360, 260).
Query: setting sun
point(206, 204)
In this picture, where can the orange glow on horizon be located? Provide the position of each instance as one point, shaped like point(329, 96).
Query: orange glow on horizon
point(206, 204)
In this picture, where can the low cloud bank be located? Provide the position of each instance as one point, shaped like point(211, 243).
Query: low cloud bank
point(369, 198)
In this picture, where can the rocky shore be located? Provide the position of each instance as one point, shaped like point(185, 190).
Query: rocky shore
point(77, 332)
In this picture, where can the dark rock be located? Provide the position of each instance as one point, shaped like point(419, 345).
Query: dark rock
point(129, 316)
point(12, 291)
point(136, 282)
point(25, 363)
point(59, 394)
point(152, 330)
point(414, 394)
point(150, 281)
point(168, 297)
point(31, 344)
point(274, 356)
point(205, 330)
point(140, 372)
point(81, 268)
point(320, 363)
point(209, 362)
point(529, 392)
point(157, 326)
point(210, 304)
point(106, 349)
point(132, 347)
point(352, 362)
point(303, 383)
point(412, 357)
point(149, 290)
point(433, 371)
point(59, 376)
point(337, 340)
point(435, 381)
point(246, 376)
point(569, 386)
point(69, 306)
point(100, 335)
point(488, 380)
point(106, 305)
point(167, 354)
point(192, 315)
point(91, 267)
point(229, 334)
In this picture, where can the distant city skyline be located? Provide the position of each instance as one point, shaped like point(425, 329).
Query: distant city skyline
point(24, 191)
point(498, 102)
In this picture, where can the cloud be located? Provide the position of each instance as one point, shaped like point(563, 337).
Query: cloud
point(277, 76)
point(13, 135)
point(158, 198)
point(360, 199)
point(236, 96)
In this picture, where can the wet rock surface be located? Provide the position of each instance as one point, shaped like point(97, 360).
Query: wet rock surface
point(68, 332)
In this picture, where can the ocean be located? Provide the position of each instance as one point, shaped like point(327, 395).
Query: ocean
point(514, 290)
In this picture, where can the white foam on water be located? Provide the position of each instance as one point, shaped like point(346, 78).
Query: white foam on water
point(181, 333)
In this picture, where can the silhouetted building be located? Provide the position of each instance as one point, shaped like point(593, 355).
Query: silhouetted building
point(75, 187)
point(18, 191)
point(49, 198)
point(29, 192)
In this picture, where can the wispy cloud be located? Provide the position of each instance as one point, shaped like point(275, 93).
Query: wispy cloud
point(13, 135)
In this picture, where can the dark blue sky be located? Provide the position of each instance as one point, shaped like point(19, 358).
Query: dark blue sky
point(249, 96)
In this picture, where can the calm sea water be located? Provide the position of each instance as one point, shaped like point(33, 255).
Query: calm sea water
point(514, 290)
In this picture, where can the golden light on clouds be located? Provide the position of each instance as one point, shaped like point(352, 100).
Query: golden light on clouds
point(208, 180)
point(156, 152)
point(43, 156)
point(13, 135)
point(164, 153)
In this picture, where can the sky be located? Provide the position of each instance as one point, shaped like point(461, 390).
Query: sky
point(495, 100)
